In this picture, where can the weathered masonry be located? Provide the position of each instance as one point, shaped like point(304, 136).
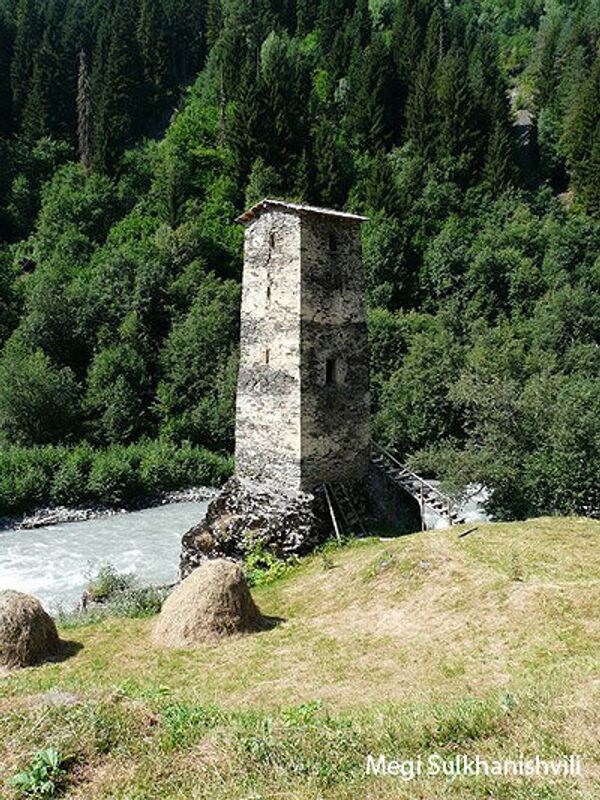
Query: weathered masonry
point(303, 389)
point(303, 449)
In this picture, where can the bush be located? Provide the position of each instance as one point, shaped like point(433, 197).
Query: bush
point(199, 467)
point(44, 776)
point(159, 469)
point(42, 406)
point(70, 484)
point(32, 477)
point(114, 477)
point(107, 583)
point(26, 477)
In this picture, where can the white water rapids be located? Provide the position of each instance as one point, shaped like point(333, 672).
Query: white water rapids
point(54, 563)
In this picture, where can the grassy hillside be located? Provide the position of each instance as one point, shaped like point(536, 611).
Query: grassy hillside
point(429, 643)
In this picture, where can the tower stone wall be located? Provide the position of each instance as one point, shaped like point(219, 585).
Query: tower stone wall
point(302, 415)
point(268, 410)
point(303, 397)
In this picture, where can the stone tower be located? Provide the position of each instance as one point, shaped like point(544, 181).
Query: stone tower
point(303, 394)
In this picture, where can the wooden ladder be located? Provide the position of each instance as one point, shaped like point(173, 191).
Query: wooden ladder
point(345, 516)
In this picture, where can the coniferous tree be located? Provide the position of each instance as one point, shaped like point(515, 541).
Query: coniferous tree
point(119, 112)
point(406, 42)
point(6, 49)
point(303, 179)
point(331, 164)
point(85, 120)
point(380, 193)
point(245, 128)
point(306, 15)
point(454, 106)
point(581, 128)
point(46, 110)
point(420, 126)
point(214, 21)
point(358, 30)
point(372, 113)
point(499, 170)
point(332, 18)
point(187, 38)
point(151, 28)
point(591, 189)
point(286, 97)
point(25, 42)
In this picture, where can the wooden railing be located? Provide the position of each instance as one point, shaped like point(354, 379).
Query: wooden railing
point(447, 501)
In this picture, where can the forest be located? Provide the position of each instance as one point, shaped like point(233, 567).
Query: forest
point(133, 132)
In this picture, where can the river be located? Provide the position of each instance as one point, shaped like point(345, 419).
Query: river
point(54, 563)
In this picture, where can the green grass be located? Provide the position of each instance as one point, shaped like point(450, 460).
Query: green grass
point(431, 643)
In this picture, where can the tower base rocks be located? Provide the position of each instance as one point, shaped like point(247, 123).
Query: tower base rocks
point(248, 516)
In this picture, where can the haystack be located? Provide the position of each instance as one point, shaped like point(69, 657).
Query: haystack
point(211, 603)
point(27, 634)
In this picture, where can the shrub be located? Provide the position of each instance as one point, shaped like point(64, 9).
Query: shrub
point(199, 467)
point(138, 603)
point(70, 484)
point(108, 582)
point(43, 405)
point(159, 470)
point(26, 477)
point(263, 568)
point(114, 477)
point(43, 778)
point(31, 477)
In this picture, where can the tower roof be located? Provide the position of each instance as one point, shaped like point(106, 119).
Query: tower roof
point(296, 208)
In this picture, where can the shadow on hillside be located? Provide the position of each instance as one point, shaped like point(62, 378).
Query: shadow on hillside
point(67, 650)
point(269, 623)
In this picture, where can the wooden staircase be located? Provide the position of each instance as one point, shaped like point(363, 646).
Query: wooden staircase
point(424, 493)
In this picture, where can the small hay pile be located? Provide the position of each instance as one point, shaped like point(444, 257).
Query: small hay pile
point(211, 603)
point(27, 634)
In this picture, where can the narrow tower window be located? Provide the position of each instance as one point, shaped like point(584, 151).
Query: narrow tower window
point(272, 241)
point(330, 371)
point(269, 293)
point(267, 356)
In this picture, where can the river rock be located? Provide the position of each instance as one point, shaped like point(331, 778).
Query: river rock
point(246, 516)
point(27, 634)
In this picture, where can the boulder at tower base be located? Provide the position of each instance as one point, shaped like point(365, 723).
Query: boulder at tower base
point(247, 516)
point(27, 633)
point(211, 603)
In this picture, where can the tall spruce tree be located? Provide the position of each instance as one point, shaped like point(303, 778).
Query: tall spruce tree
point(372, 112)
point(85, 119)
point(48, 107)
point(582, 123)
point(420, 110)
point(214, 21)
point(286, 95)
point(454, 107)
point(6, 51)
point(151, 37)
point(119, 108)
point(245, 126)
point(499, 170)
point(25, 43)
point(306, 15)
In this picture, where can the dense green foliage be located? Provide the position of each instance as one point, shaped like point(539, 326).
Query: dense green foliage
point(119, 272)
point(114, 476)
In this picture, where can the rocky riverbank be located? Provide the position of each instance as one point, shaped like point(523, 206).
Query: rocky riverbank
point(44, 517)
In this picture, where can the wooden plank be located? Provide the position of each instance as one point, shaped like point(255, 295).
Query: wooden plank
point(332, 513)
